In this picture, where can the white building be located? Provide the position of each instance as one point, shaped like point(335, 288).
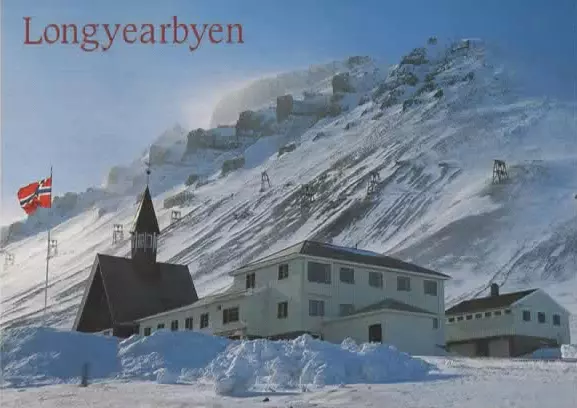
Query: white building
point(507, 325)
point(328, 291)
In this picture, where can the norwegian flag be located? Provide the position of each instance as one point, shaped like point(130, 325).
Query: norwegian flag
point(34, 195)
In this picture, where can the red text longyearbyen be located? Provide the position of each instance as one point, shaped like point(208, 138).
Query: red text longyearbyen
point(93, 37)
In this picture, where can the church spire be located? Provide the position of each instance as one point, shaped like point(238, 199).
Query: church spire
point(145, 235)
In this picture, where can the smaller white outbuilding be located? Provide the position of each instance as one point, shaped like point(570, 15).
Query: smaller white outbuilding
point(506, 325)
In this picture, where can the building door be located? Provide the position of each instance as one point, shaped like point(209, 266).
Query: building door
point(483, 348)
point(375, 333)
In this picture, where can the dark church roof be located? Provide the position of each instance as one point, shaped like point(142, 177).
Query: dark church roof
point(131, 295)
point(488, 303)
point(324, 250)
point(146, 218)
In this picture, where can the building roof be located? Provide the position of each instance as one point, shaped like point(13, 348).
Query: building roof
point(488, 303)
point(131, 295)
point(324, 250)
point(390, 304)
point(145, 216)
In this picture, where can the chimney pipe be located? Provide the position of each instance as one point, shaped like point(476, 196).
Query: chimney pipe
point(494, 289)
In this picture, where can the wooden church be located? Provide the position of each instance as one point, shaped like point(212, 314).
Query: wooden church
point(121, 290)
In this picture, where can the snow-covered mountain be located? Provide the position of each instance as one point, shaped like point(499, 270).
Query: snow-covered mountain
point(427, 130)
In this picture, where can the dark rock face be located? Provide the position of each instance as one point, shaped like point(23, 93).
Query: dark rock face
point(193, 178)
point(342, 83)
point(357, 60)
point(248, 121)
point(284, 107)
point(208, 139)
point(416, 57)
point(286, 149)
point(232, 165)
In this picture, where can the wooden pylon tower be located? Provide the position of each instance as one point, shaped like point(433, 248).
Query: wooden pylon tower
point(8, 259)
point(264, 181)
point(53, 248)
point(175, 216)
point(307, 196)
point(374, 180)
point(499, 172)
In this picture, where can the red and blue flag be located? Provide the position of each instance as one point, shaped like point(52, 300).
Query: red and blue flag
point(34, 195)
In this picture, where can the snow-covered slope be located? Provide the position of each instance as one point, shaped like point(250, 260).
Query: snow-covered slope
point(430, 127)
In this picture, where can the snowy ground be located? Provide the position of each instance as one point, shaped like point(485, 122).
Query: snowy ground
point(462, 383)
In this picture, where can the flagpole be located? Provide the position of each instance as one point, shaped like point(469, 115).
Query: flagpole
point(47, 261)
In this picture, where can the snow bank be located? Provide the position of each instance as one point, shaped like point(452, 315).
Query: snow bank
point(39, 356)
point(48, 356)
point(166, 355)
point(569, 351)
point(303, 362)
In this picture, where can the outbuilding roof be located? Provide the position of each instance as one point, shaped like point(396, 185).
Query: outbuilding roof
point(488, 303)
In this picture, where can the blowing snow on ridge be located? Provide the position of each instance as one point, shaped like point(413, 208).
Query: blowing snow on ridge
point(427, 130)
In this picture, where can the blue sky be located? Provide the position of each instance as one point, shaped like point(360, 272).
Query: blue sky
point(84, 112)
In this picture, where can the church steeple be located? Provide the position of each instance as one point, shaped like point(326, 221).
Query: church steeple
point(145, 233)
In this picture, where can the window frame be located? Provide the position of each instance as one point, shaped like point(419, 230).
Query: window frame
point(282, 310)
point(204, 320)
point(174, 325)
point(401, 288)
point(327, 273)
point(539, 315)
point(436, 286)
point(250, 280)
point(350, 309)
point(283, 271)
point(186, 323)
point(435, 323)
point(380, 280)
point(229, 317)
point(320, 308)
point(147, 331)
point(526, 313)
point(556, 319)
point(347, 269)
point(160, 326)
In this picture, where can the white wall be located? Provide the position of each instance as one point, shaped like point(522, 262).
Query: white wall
point(513, 324)
point(410, 333)
point(541, 302)
point(480, 327)
point(362, 294)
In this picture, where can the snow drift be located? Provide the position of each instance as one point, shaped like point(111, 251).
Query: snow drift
point(40, 356)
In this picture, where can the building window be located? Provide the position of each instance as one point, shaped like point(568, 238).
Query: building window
point(282, 271)
point(250, 280)
point(556, 320)
point(487, 314)
point(526, 315)
point(430, 287)
point(507, 311)
point(316, 308)
point(204, 320)
point(478, 315)
point(403, 284)
point(460, 318)
point(541, 317)
point(319, 272)
point(188, 323)
point(497, 313)
point(149, 240)
point(469, 317)
point(140, 241)
point(376, 279)
point(282, 310)
point(147, 331)
point(347, 275)
point(160, 326)
point(230, 315)
point(435, 323)
point(174, 325)
point(451, 319)
point(346, 309)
